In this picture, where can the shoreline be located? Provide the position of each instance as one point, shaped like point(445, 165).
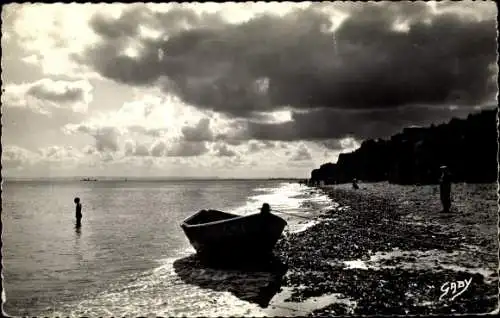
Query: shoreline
point(388, 250)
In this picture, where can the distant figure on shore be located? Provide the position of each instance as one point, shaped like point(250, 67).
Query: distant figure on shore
point(445, 188)
point(78, 212)
point(355, 184)
point(265, 209)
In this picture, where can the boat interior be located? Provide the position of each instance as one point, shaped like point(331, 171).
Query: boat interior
point(206, 216)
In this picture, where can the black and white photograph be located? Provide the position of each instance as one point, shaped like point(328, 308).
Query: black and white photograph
point(249, 159)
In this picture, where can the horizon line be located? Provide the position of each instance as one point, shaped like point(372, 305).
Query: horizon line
point(103, 178)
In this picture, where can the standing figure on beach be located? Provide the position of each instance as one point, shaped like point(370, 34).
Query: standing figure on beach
point(78, 212)
point(445, 188)
point(355, 184)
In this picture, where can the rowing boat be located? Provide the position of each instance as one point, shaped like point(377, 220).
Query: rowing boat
point(224, 235)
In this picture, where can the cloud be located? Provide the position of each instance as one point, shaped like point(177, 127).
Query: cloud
point(89, 150)
point(149, 116)
point(129, 148)
point(253, 146)
point(151, 132)
point(46, 95)
point(61, 155)
point(339, 144)
point(322, 124)
point(14, 157)
point(29, 128)
point(349, 143)
point(220, 78)
point(332, 144)
point(106, 138)
point(153, 126)
point(471, 9)
point(158, 149)
point(61, 91)
point(126, 25)
point(256, 146)
point(49, 34)
point(301, 154)
point(183, 148)
point(138, 149)
point(368, 63)
point(45, 161)
point(222, 150)
point(141, 150)
point(200, 132)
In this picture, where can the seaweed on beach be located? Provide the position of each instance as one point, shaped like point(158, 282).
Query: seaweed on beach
point(377, 222)
point(415, 293)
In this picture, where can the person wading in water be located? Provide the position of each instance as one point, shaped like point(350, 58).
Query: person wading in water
point(445, 188)
point(78, 212)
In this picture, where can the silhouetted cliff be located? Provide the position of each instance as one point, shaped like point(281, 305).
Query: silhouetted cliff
point(467, 146)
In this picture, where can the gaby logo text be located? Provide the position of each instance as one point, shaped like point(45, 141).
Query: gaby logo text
point(454, 289)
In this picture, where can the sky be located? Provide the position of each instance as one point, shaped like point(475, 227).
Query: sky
point(231, 90)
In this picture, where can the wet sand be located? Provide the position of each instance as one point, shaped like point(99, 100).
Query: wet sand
point(387, 249)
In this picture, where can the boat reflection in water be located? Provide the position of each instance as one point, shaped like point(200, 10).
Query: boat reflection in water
point(256, 282)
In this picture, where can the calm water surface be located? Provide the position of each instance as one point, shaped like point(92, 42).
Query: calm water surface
point(120, 261)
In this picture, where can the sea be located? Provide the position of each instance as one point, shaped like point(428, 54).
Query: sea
point(122, 261)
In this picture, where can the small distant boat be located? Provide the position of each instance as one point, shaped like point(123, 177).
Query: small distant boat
point(224, 235)
point(88, 179)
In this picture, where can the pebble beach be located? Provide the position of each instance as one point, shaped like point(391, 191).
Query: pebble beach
point(388, 250)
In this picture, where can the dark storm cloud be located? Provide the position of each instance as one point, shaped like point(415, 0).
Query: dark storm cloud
point(332, 144)
point(322, 124)
point(477, 8)
point(365, 65)
point(126, 25)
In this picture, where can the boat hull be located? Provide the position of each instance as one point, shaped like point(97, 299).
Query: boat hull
point(234, 237)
